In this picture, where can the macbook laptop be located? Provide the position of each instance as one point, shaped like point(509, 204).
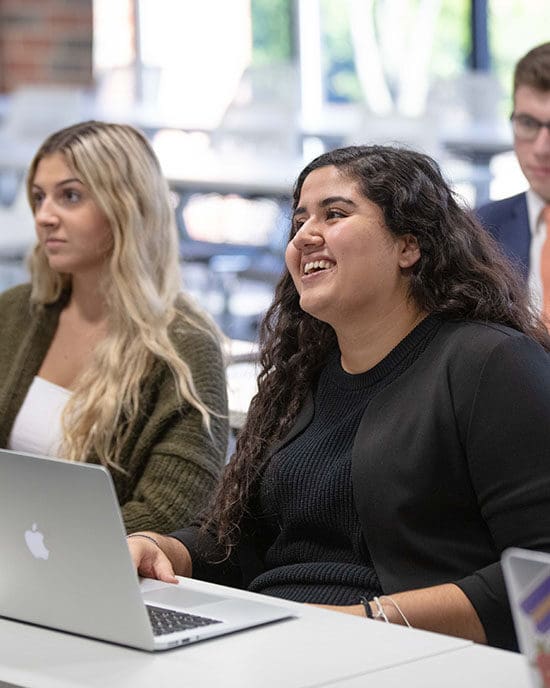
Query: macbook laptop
point(66, 565)
point(527, 577)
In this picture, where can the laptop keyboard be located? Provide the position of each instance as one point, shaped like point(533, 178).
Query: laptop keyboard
point(166, 621)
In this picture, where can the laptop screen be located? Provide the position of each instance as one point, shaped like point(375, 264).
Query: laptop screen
point(527, 576)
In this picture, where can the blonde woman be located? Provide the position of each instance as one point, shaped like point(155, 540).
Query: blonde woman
point(102, 358)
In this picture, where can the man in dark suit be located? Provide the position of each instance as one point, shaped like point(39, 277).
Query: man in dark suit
point(519, 223)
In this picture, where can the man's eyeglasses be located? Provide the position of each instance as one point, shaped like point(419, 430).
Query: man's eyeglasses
point(527, 128)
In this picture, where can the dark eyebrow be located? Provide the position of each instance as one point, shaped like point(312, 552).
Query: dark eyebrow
point(329, 201)
point(71, 180)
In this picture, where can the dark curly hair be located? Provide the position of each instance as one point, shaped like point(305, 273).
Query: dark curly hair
point(461, 274)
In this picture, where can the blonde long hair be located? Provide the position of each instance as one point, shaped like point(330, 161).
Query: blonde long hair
point(119, 168)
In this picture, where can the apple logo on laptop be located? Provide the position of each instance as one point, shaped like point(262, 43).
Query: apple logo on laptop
point(35, 542)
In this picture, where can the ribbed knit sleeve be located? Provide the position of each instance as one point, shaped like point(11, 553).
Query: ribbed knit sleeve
point(173, 462)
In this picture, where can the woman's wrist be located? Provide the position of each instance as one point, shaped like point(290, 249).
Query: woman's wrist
point(387, 609)
point(384, 609)
point(152, 539)
point(172, 548)
point(178, 554)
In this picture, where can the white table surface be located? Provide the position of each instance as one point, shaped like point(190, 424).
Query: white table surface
point(316, 649)
point(474, 666)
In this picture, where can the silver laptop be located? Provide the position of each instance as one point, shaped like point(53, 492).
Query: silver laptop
point(66, 565)
point(527, 577)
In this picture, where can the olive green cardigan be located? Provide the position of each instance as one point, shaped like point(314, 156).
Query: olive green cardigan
point(170, 463)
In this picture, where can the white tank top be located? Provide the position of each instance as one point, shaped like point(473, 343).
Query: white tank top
point(37, 426)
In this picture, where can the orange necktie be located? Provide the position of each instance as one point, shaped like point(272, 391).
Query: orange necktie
point(545, 267)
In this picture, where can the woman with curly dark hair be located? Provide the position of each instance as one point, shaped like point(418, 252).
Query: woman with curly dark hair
point(399, 439)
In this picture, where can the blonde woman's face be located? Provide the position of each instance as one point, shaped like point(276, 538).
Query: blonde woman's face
point(72, 229)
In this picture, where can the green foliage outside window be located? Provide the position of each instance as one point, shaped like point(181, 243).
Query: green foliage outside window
point(271, 31)
point(514, 27)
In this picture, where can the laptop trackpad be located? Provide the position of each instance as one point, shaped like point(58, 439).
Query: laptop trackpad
point(179, 596)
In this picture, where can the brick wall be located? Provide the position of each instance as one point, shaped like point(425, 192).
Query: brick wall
point(45, 42)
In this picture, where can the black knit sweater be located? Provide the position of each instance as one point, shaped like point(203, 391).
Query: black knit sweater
point(318, 553)
point(449, 468)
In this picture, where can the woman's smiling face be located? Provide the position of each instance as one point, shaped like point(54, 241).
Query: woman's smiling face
point(344, 261)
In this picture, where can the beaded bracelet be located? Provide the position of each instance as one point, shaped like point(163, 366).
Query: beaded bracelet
point(380, 614)
point(394, 603)
point(147, 537)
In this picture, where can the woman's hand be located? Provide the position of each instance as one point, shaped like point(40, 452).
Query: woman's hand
point(159, 556)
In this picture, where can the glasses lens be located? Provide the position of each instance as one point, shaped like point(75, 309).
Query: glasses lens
point(525, 127)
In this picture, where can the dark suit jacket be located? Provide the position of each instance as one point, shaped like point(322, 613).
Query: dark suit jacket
point(508, 222)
